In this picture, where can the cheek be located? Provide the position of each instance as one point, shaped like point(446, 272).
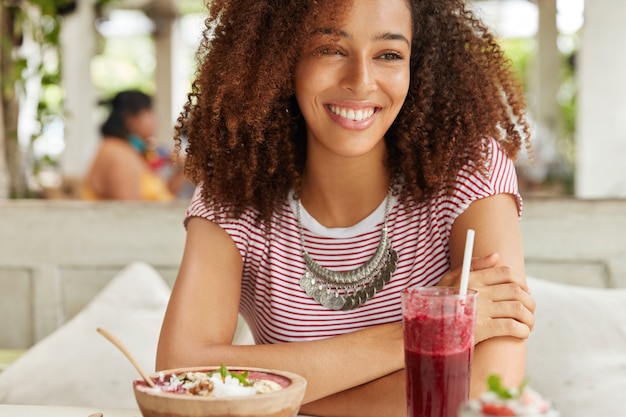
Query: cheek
point(302, 79)
point(398, 87)
point(304, 87)
point(312, 77)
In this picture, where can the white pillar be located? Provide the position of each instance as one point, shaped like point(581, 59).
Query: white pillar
point(601, 117)
point(78, 42)
point(164, 18)
point(548, 67)
point(542, 97)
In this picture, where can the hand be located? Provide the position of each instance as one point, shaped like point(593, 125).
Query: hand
point(504, 305)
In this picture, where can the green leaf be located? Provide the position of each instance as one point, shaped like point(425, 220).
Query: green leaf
point(223, 371)
point(494, 384)
point(242, 377)
point(523, 385)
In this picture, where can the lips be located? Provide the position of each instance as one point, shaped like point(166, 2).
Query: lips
point(352, 114)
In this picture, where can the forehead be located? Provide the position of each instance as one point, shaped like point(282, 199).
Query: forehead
point(335, 14)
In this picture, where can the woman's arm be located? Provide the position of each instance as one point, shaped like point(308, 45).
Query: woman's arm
point(385, 396)
point(201, 319)
point(505, 308)
point(504, 316)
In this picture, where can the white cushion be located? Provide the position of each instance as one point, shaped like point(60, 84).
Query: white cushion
point(77, 366)
point(577, 351)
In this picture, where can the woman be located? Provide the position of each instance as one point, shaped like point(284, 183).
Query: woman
point(121, 169)
point(359, 127)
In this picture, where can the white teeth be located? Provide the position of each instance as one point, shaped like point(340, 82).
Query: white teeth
point(351, 114)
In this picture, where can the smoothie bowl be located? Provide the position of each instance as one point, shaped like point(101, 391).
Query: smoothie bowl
point(221, 392)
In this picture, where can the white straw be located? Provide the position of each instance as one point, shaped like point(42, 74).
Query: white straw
point(467, 262)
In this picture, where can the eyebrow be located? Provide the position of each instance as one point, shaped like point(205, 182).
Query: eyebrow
point(384, 36)
point(389, 36)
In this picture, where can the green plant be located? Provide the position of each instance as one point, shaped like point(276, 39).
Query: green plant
point(36, 23)
point(521, 52)
point(30, 31)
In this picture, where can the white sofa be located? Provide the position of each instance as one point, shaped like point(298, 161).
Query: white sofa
point(577, 352)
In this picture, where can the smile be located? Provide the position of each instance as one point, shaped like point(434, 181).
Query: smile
point(351, 114)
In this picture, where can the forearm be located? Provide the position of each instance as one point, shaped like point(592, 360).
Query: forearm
point(505, 356)
point(330, 365)
point(385, 396)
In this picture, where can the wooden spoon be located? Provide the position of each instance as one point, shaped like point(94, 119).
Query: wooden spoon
point(126, 353)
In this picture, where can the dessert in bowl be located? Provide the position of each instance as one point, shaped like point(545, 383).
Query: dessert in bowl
point(220, 392)
point(502, 401)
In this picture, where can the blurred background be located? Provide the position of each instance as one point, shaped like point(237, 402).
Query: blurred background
point(60, 58)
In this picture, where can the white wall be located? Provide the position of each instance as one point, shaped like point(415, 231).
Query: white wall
point(601, 119)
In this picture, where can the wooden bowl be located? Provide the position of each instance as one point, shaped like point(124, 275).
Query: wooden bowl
point(282, 403)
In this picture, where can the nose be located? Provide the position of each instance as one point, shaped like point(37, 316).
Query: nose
point(358, 76)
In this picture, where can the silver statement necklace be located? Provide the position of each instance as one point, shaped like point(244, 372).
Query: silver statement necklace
point(346, 290)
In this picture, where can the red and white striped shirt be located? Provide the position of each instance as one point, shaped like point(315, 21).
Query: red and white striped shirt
point(278, 310)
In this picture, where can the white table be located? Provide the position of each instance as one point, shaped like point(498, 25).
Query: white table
point(7, 410)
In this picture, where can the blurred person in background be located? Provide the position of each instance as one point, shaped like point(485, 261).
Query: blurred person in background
point(127, 164)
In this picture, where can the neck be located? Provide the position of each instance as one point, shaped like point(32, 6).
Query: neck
point(342, 199)
point(137, 143)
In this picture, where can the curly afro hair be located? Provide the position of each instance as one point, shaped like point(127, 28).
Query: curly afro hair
point(246, 142)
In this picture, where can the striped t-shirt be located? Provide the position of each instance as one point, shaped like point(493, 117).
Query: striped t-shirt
point(278, 310)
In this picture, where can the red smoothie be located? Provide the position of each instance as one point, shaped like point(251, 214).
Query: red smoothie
point(438, 352)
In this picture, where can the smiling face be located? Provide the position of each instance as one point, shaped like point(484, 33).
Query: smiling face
point(353, 76)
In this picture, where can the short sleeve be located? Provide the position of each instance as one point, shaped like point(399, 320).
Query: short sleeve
point(472, 184)
point(198, 208)
point(238, 229)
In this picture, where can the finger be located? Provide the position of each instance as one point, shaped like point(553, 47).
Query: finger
point(498, 275)
point(513, 310)
point(510, 327)
point(453, 277)
point(509, 292)
point(484, 262)
point(502, 327)
point(507, 310)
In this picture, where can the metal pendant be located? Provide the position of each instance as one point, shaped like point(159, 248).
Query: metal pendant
point(347, 290)
point(346, 296)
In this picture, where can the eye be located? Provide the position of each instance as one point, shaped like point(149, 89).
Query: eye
point(390, 56)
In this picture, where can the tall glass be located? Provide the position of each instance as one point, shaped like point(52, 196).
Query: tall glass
point(438, 328)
